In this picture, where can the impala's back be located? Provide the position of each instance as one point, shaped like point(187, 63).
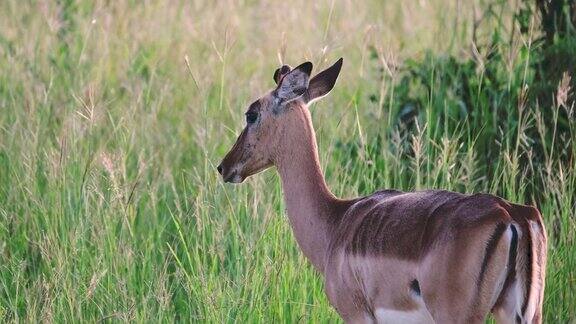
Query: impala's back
point(411, 257)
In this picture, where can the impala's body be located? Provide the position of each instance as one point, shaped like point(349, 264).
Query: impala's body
point(434, 254)
point(392, 257)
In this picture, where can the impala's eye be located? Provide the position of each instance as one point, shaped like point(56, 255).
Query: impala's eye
point(251, 117)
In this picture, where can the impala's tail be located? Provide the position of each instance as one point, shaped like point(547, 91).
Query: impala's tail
point(523, 293)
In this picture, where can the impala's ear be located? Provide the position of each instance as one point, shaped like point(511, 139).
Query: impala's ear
point(323, 82)
point(281, 72)
point(295, 83)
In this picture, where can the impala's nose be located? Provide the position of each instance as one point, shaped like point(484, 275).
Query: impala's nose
point(219, 169)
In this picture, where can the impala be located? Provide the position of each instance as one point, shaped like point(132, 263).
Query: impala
point(392, 257)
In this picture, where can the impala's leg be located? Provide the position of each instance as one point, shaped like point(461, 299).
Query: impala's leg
point(347, 306)
point(359, 318)
point(508, 309)
point(461, 281)
point(347, 300)
point(349, 311)
point(522, 297)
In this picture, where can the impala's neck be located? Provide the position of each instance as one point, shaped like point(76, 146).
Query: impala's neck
point(312, 209)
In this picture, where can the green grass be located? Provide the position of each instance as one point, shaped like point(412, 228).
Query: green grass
point(110, 204)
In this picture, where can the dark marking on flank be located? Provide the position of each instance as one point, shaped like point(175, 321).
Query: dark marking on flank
point(512, 253)
point(518, 319)
point(490, 249)
point(415, 286)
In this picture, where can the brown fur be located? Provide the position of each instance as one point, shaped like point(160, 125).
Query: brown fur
point(371, 250)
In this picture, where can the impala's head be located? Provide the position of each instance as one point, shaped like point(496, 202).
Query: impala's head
point(266, 119)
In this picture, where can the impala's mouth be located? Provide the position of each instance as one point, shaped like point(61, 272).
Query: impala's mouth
point(234, 178)
point(231, 177)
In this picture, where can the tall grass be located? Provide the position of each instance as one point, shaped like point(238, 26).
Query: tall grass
point(113, 116)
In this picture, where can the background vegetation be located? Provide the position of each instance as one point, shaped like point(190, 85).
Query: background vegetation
point(113, 115)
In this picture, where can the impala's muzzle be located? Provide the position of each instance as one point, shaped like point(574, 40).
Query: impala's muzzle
point(229, 174)
point(231, 167)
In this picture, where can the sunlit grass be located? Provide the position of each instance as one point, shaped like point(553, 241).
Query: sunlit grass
point(110, 205)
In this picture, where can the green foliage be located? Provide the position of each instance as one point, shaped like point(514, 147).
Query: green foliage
point(501, 95)
point(110, 205)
